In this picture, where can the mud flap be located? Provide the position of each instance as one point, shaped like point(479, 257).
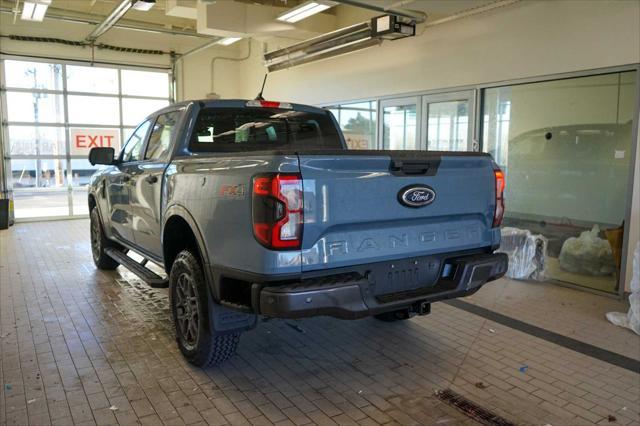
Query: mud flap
point(224, 320)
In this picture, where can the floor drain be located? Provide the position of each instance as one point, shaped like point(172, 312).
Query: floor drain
point(471, 409)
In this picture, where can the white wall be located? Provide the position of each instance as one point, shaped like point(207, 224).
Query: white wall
point(195, 78)
point(527, 39)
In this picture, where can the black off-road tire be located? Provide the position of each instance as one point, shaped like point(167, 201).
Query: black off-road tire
point(207, 348)
point(393, 316)
point(99, 242)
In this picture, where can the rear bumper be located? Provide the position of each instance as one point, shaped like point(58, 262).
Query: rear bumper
point(357, 295)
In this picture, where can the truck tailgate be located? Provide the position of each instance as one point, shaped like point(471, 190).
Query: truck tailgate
point(353, 212)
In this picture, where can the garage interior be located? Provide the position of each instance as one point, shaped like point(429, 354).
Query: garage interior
point(551, 89)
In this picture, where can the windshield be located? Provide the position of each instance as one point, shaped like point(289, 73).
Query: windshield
point(259, 129)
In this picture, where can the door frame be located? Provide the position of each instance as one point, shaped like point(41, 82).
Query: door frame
point(463, 95)
point(410, 100)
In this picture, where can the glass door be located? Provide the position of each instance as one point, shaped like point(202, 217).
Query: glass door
point(567, 149)
point(447, 121)
point(399, 126)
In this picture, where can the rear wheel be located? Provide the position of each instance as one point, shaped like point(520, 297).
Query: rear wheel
point(192, 310)
point(99, 242)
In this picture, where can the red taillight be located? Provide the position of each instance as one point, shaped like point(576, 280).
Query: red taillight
point(499, 211)
point(277, 210)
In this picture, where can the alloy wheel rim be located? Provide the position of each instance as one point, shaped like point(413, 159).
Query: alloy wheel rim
point(187, 315)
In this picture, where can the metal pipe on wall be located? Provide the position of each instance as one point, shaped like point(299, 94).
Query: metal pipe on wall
point(226, 58)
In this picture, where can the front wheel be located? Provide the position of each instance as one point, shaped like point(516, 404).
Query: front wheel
point(99, 243)
point(192, 310)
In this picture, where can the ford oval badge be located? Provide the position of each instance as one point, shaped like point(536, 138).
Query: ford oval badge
point(416, 195)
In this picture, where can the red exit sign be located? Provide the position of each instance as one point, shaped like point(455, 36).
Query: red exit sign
point(82, 140)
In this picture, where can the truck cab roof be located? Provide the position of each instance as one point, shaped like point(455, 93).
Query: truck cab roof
point(239, 103)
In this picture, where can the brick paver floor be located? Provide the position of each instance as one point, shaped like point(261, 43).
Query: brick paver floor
point(81, 346)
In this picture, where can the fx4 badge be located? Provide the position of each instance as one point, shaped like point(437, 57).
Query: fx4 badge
point(416, 196)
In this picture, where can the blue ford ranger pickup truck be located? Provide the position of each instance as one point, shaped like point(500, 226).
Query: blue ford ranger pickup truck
point(258, 208)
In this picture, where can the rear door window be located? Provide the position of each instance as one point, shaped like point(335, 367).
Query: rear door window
point(259, 129)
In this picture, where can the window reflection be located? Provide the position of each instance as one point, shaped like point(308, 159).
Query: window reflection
point(399, 127)
point(39, 173)
point(565, 147)
point(448, 126)
point(358, 123)
point(36, 140)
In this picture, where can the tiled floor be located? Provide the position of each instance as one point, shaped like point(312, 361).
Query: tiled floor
point(79, 346)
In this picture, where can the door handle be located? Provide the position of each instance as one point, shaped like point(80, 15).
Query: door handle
point(151, 179)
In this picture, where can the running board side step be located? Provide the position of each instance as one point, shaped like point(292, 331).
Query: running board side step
point(154, 280)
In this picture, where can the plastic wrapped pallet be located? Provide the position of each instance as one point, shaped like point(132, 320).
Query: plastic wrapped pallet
point(527, 254)
point(588, 254)
point(632, 318)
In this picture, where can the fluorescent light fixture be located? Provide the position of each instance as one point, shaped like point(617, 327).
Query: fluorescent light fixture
point(305, 10)
point(229, 40)
point(34, 10)
point(142, 5)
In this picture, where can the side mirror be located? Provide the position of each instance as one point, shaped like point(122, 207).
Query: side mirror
point(102, 156)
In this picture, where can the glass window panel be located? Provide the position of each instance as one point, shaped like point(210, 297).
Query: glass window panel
point(36, 107)
point(145, 83)
point(448, 126)
point(80, 201)
point(41, 181)
point(133, 149)
point(29, 204)
point(81, 171)
point(93, 110)
point(39, 173)
point(33, 75)
point(358, 123)
point(92, 79)
point(36, 140)
point(560, 143)
point(135, 110)
point(128, 131)
point(399, 127)
point(161, 135)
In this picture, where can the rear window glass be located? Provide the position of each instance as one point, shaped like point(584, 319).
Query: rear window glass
point(259, 129)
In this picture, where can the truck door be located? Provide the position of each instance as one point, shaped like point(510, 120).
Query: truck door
point(146, 188)
point(118, 184)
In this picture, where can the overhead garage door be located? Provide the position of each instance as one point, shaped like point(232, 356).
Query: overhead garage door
point(54, 113)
